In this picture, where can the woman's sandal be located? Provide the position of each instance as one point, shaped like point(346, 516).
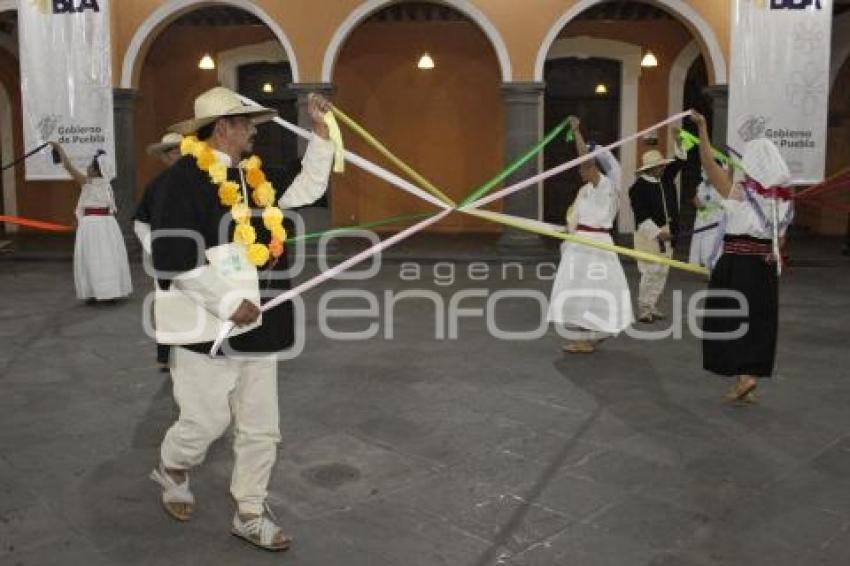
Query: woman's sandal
point(177, 500)
point(745, 394)
point(579, 348)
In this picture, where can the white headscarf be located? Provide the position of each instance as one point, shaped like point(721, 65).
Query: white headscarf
point(763, 163)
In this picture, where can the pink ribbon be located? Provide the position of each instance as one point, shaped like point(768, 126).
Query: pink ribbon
point(570, 164)
point(227, 327)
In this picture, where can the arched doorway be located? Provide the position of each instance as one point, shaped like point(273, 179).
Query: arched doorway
point(598, 110)
point(446, 122)
point(662, 27)
point(249, 54)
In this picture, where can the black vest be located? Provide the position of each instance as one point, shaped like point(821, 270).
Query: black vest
point(186, 199)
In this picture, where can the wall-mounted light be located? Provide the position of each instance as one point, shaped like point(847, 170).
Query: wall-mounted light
point(268, 88)
point(206, 63)
point(426, 63)
point(601, 89)
point(649, 60)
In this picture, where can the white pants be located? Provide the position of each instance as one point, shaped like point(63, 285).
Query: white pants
point(208, 391)
point(653, 276)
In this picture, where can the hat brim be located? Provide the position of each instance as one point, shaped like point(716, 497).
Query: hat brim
point(159, 148)
point(258, 116)
point(655, 164)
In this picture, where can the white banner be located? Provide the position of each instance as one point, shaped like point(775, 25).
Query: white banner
point(66, 82)
point(779, 83)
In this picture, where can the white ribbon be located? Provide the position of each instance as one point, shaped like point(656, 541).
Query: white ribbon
point(228, 326)
point(570, 164)
point(364, 164)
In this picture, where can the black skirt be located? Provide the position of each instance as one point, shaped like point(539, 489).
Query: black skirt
point(754, 351)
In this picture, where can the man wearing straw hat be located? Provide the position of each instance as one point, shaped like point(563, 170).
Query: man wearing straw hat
point(167, 151)
point(656, 207)
point(209, 242)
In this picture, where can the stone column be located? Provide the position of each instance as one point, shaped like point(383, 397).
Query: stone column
point(719, 95)
point(523, 105)
point(124, 185)
point(315, 218)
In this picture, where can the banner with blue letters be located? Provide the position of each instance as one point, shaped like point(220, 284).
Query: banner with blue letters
point(66, 82)
point(779, 80)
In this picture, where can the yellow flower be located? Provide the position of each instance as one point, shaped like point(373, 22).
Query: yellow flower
point(278, 233)
point(218, 172)
point(255, 178)
point(263, 195)
point(228, 193)
point(206, 159)
point(244, 234)
point(272, 216)
point(199, 148)
point(188, 144)
point(258, 254)
point(241, 213)
point(252, 162)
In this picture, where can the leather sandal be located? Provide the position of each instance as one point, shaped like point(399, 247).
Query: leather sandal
point(177, 500)
point(261, 532)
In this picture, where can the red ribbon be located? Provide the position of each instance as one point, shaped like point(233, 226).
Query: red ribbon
point(37, 224)
point(784, 193)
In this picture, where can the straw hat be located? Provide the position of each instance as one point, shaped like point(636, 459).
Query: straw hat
point(763, 162)
point(220, 102)
point(651, 159)
point(169, 142)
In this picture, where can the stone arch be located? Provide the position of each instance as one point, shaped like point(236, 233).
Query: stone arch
point(168, 12)
point(357, 16)
point(683, 11)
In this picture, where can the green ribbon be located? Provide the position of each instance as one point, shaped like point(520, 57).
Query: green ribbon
point(690, 141)
point(475, 195)
point(519, 162)
point(384, 222)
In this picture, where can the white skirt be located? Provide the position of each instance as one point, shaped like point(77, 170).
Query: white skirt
point(101, 269)
point(590, 290)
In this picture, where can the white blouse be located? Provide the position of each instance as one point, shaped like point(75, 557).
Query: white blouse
point(752, 214)
point(96, 193)
point(595, 206)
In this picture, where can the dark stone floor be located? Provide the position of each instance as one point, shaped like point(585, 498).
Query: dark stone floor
point(416, 450)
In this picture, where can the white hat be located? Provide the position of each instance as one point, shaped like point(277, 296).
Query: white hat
point(219, 102)
point(169, 141)
point(651, 159)
point(763, 163)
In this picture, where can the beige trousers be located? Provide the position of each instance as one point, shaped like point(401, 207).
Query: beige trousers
point(653, 276)
point(209, 391)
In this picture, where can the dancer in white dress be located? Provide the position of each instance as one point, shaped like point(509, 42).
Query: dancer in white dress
point(590, 298)
point(101, 269)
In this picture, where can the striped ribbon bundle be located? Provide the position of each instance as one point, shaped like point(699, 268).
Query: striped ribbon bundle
point(471, 205)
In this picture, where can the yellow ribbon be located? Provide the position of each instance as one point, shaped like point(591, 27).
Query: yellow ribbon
point(336, 138)
point(515, 221)
point(368, 138)
point(541, 228)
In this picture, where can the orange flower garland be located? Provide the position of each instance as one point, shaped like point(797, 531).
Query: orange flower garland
point(229, 194)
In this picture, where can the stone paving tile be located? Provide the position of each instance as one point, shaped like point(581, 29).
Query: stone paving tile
point(383, 533)
point(650, 522)
point(490, 508)
point(586, 545)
